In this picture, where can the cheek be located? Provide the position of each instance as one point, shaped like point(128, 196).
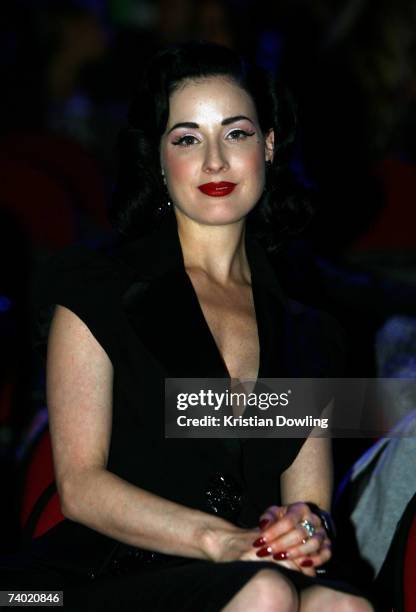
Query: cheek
point(259, 162)
point(177, 167)
point(252, 164)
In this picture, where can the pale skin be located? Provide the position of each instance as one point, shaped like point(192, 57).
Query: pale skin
point(79, 382)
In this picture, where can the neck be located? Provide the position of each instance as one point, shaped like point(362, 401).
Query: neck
point(217, 250)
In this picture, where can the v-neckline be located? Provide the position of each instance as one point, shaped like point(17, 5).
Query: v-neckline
point(169, 319)
point(212, 337)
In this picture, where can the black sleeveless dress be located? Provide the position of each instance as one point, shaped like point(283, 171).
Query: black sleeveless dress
point(140, 305)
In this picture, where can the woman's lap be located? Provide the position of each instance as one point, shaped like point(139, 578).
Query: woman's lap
point(200, 586)
point(185, 585)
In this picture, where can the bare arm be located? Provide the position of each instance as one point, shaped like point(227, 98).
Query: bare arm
point(309, 478)
point(79, 392)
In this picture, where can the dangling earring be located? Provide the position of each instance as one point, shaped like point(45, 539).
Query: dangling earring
point(163, 208)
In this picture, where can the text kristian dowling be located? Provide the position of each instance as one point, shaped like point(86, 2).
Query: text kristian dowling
point(251, 421)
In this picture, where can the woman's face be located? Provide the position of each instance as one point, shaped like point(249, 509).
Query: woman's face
point(213, 152)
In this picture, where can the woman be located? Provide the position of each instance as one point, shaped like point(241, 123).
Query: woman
point(194, 296)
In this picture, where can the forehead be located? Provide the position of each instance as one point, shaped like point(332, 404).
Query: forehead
point(209, 100)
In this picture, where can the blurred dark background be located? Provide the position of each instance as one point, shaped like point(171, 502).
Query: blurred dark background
point(67, 71)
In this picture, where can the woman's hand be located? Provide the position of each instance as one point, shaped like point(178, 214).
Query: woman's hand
point(283, 537)
point(236, 544)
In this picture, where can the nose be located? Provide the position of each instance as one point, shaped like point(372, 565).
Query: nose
point(215, 159)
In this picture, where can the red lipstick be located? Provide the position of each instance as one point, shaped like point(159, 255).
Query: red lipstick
point(216, 190)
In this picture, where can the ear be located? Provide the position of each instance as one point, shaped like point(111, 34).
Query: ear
point(269, 145)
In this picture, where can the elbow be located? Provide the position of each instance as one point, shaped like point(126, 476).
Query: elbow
point(67, 511)
point(68, 500)
point(70, 490)
point(76, 493)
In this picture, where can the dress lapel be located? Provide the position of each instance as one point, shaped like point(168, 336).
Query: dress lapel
point(164, 310)
point(271, 307)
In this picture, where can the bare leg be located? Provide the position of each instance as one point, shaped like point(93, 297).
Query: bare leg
point(322, 599)
point(267, 591)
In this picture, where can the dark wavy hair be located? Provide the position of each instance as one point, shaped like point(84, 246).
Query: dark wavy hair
point(140, 197)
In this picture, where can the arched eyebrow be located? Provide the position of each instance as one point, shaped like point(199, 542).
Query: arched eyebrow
point(195, 126)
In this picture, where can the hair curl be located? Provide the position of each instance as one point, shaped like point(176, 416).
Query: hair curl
point(139, 199)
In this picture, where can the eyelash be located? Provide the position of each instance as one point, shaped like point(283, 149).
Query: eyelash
point(183, 141)
point(240, 133)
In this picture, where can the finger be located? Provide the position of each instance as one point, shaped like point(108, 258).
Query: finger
point(271, 514)
point(308, 547)
point(283, 525)
point(323, 556)
point(276, 513)
point(309, 564)
point(251, 556)
point(287, 533)
point(290, 546)
point(308, 571)
point(293, 516)
point(310, 525)
point(294, 539)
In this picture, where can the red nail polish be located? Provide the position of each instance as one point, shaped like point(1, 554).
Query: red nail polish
point(280, 556)
point(307, 563)
point(264, 552)
point(259, 542)
point(263, 523)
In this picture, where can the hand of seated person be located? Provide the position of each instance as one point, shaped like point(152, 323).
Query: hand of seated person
point(286, 537)
point(231, 543)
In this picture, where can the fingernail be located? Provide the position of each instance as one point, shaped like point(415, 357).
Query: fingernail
point(259, 542)
point(263, 523)
point(307, 563)
point(264, 552)
point(280, 556)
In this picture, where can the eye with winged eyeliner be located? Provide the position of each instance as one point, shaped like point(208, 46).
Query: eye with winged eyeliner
point(236, 134)
point(184, 141)
point(239, 134)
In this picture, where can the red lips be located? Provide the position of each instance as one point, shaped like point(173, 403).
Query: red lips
point(216, 190)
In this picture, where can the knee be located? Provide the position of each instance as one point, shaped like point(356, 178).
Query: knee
point(350, 603)
point(274, 592)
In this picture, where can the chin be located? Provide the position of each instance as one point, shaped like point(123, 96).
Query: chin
point(225, 218)
point(224, 214)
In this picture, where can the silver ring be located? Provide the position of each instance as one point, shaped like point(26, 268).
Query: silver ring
point(309, 527)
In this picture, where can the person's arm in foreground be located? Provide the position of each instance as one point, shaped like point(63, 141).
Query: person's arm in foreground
point(308, 479)
point(79, 391)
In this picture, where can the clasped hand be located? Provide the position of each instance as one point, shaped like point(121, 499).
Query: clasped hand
point(281, 538)
point(284, 539)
